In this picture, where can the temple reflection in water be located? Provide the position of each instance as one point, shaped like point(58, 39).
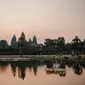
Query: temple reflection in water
point(60, 68)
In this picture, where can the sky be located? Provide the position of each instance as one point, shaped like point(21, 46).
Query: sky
point(43, 18)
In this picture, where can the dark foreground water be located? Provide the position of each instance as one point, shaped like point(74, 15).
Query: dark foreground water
point(28, 73)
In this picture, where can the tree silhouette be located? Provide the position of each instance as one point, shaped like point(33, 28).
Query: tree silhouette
point(3, 44)
point(61, 44)
point(78, 70)
point(76, 44)
point(83, 46)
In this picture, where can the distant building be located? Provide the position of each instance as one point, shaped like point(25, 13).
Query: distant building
point(35, 40)
point(22, 43)
point(22, 37)
point(33, 43)
point(14, 42)
point(30, 41)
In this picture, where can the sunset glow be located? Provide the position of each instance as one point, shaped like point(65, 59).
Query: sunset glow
point(43, 18)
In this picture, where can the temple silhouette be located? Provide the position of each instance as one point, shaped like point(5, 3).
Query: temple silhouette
point(56, 46)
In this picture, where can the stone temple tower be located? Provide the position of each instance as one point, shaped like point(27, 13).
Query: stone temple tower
point(14, 42)
point(23, 35)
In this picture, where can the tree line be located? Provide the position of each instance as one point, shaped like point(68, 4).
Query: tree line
point(56, 46)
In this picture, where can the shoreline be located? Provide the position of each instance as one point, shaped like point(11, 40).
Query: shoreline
point(40, 57)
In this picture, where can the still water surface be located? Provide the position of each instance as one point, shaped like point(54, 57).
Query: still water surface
point(23, 73)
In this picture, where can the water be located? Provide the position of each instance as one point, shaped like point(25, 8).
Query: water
point(28, 73)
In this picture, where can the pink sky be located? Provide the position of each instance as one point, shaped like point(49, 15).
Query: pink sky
point(43, 18)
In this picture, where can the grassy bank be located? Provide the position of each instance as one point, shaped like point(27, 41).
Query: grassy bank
point(69, 57)
point(41, 57)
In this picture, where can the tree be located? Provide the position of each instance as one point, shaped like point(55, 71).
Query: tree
point(76, 44)
point(83, 46)
point(48, 42)
point(68, 48)
point(3, 44)
point(61, 44)
point(50, 45)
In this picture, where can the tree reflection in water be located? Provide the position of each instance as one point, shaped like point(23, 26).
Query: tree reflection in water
point(13, 68)
point(3, 66)
point(61, 69)
point(77, 69)
point(21, 66)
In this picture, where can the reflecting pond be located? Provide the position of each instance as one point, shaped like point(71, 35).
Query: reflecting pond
point(46, 73)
